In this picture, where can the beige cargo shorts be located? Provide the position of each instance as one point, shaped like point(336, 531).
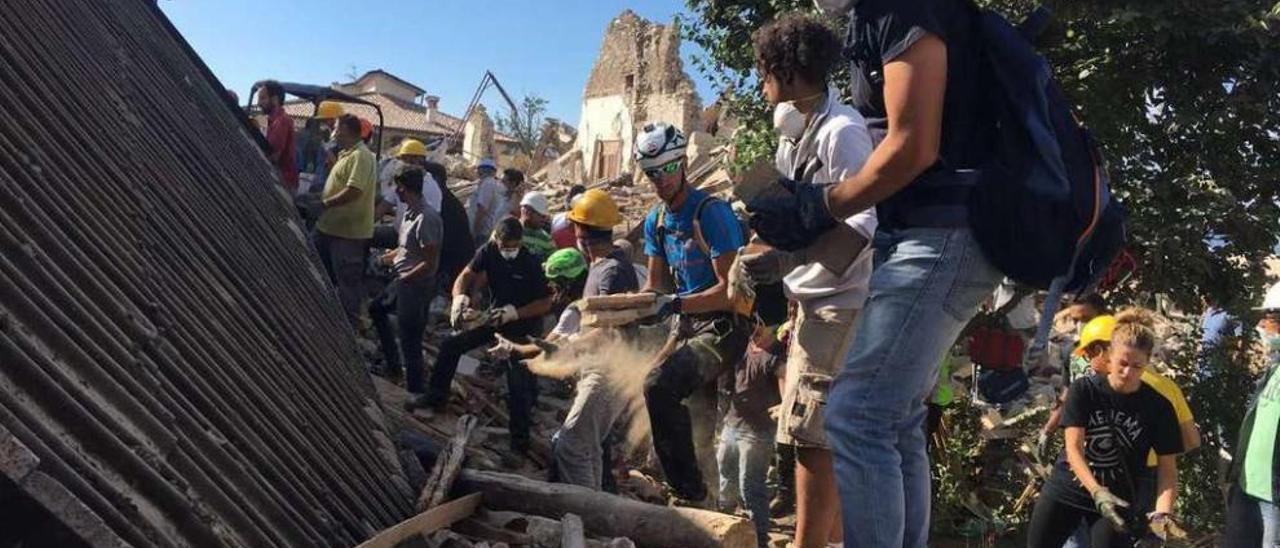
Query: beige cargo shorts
point(819, 342)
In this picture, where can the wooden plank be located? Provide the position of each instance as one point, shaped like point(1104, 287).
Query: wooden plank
point(436, 518)
point(618, 302)
point(447, 465)
point(612, 318)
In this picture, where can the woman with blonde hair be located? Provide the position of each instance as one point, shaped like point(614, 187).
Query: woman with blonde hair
point(1112, 422)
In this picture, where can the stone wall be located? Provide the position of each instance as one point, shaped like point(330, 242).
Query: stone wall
point(638, 78)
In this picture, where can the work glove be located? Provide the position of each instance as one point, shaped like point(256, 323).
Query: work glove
point(457, 310)
point(1164, 527)
point(503, 316)
point(1107, 505)
point(1042, 446)
point(792, 222)
point(769, 266)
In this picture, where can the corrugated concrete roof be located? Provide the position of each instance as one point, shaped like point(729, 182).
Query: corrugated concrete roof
point(174, 368)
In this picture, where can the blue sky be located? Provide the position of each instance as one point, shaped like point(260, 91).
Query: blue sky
point(444, 46)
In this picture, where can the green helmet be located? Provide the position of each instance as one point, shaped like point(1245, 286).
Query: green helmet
point(565, 264)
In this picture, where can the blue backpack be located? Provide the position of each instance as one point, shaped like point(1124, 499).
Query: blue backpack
point(1042, 210)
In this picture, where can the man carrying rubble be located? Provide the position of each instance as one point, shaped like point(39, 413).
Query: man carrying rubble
point(691, 239)
point(414, 262)
point(578, 445)
point(821, 141)
point(520, 298)
point(908, 59)
point(342, 233)
point(488, 203)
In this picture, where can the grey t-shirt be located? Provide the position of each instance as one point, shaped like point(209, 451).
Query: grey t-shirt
point(419, 230)
point(611, 275)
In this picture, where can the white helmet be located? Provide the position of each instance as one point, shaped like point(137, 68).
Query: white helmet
point(536, 201)
point(659, 144)
point(1272, 300)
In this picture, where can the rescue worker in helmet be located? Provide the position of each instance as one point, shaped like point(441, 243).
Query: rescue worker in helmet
point(691, 240)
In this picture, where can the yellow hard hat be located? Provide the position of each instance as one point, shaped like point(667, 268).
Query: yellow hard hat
point(595, 208)
point(1098, 329)
point(329, 110)
point(412, 147)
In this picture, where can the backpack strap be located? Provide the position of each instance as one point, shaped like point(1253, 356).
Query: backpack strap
point(661, 228)
point(697, 226)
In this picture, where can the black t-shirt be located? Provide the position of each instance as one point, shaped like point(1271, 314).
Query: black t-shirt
point(1120, 429)
point(517, 282)
point(752, 389)
point(880, 31)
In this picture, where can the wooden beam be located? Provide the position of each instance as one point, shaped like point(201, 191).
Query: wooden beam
point(606, 515)
point(439, 517)
point(447, 465)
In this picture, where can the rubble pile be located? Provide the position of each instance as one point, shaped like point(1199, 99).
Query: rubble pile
point(479, 398)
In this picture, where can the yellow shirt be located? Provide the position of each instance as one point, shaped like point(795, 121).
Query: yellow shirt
point(1171, 392)
point(354, 219)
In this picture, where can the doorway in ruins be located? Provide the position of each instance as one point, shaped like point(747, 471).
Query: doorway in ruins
point(608, 160)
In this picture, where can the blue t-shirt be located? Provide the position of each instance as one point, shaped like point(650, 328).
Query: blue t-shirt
point(692, 267)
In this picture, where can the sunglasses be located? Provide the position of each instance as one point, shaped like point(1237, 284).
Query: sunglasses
point(666, 169)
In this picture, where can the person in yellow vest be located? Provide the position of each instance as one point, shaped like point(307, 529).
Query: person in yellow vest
point(343, 230)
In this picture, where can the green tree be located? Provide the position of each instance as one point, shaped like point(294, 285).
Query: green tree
point(525, 122)
point(1182, 95)
point(723, 31)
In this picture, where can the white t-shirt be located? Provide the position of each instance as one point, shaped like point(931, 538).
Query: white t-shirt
point(833, 147)
point(570, 322)
point(491, 195)
point(430, 190)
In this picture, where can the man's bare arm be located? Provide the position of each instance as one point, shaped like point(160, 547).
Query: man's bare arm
point(914, 87)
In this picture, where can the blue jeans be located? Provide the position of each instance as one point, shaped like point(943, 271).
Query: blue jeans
point(744, 457)
point(927, 288)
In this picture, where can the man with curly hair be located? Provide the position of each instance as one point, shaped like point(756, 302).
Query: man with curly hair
point(907, 60)
point(821, 141)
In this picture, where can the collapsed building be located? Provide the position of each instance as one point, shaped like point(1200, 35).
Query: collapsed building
point(637, 78)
